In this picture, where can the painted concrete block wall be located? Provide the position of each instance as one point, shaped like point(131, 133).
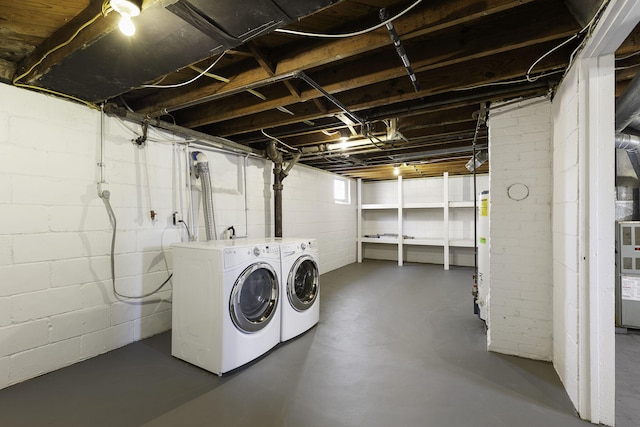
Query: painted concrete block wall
point(565, 233)
point(57, 305)
point(56, 297)
point(521, 287)
point(309, 209)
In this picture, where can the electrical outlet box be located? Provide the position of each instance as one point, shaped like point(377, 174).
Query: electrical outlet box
point(177, 218)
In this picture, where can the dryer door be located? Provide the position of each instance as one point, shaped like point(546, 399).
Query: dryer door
point(303, 283)
point(254, 298)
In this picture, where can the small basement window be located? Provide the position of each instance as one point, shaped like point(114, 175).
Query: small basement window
point(341, 193)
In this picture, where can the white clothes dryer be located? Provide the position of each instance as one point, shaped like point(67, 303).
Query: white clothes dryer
point(226, 303)
point(300, 286)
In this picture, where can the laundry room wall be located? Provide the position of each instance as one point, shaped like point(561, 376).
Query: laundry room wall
point(583, 234)
point(310, 209)
point(521, 286)
point(57, 305)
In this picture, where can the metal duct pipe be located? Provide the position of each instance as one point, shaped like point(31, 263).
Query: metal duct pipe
point(630, 143)
point(202, 168)
point(627, 142)
point(634, 126)
point(627, 105)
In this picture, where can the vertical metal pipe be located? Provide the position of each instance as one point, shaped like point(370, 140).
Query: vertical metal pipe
point(475, 210)
point(277, 198)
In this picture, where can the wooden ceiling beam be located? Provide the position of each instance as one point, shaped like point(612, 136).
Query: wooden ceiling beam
point(480, 72)
point(269, 66)
point(423, 21)
point(7, 70)
point(448, 49)
point(453, 167)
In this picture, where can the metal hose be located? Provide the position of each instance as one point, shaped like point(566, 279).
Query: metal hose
point(202, 167)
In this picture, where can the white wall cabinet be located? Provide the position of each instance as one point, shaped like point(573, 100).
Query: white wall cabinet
point(436, 214)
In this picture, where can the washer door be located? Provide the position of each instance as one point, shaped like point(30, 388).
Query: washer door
point(254, 298)
point(302, 284)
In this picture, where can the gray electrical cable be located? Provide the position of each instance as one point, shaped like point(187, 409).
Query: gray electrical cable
point(105, 196)
point(155, 86)
point(353, 34)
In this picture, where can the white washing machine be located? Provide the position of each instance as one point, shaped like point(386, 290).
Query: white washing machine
point(226, 303)
point(300, 286)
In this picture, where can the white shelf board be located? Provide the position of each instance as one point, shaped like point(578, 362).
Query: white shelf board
point(433, 205)
point(461, 243)
point(461, 204)
point(380, 206)
point(423, 242)
point(387, 240)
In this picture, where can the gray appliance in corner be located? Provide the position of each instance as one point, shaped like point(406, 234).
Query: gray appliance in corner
point(628, 274)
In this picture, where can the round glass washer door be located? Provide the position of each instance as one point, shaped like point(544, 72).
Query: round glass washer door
point(303, 283)
point(254, 298)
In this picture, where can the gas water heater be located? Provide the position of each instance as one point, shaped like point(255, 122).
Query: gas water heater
point(483, 244)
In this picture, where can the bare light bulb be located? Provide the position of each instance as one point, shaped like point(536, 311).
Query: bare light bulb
point(396, 170)
point(126, 25)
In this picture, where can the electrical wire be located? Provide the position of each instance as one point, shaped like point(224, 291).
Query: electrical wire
point(622, 58)
point(105, 10)
point(273, 138)
point(186, 228)
point(114, 225)
point(226, 80)
point(528, 75)
point(508, 82)
point(188, 81)
point(587, 28)
point(627, 67)
point(211, 75)
point(353, 34)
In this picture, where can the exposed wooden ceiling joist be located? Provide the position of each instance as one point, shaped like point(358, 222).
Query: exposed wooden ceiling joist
point(464, 53)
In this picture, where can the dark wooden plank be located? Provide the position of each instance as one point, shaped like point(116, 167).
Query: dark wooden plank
point(424, 21)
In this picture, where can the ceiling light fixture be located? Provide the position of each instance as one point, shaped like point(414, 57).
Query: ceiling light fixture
point(396, 170)
point(127, 10)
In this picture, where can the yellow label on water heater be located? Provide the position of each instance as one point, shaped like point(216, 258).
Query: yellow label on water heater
point(484, 207)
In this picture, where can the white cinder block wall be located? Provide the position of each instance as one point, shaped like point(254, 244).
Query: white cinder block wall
point(521, 287)
point(309, 210)
point(565, 234)
point(583, 237)
point(57, 306)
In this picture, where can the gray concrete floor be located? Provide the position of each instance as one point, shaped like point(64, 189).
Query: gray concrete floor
point(395, 346)
point(628, 379)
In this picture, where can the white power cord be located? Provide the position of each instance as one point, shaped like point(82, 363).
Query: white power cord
point(345, 35)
